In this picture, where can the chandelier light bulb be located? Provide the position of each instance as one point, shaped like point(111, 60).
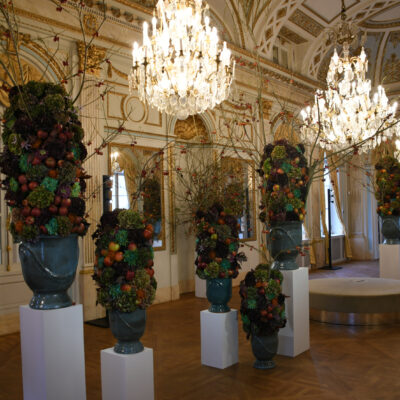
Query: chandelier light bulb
point(182, 69)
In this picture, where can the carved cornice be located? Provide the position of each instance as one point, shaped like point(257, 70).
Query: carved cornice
point(123, 45)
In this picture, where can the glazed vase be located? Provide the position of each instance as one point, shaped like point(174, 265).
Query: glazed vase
point(264, 349)
point(128, 328)
point(284, 240)
point(49, 268)
point(390, 227)
point(219, 292)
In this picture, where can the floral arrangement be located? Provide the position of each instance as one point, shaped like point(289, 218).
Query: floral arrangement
point(124, 261)
point(217, 244)
point(387, 189)
point(285, 177)
point(263, 304)
point(42, 161)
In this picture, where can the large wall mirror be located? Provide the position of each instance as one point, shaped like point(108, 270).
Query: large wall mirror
point(240, 194)
point(137, 183)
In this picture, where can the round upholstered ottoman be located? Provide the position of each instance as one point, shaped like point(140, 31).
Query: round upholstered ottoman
point(355, 301)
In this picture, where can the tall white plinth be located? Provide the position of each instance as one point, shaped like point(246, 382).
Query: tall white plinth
point(53, 358)
point(294, 339)
point(219, 338)
point(389, 261)
point(200, 287)
point(127, 376)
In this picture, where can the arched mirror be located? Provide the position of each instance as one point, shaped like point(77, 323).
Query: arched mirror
point(240, 194)
point(137, 183)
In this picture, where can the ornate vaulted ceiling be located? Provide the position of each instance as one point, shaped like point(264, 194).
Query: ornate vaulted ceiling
point(300, 27)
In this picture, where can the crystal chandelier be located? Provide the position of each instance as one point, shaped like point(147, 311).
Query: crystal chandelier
point(181, 69)
point(344, 115)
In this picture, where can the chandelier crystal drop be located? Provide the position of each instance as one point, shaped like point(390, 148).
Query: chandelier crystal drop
point(344, 114)
point(181, 69)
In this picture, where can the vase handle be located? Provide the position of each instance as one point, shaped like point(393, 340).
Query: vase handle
point(27, 254)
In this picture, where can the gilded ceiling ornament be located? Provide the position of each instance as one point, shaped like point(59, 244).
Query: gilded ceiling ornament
point(391, 70)
point(394, 38)
point(293, 37)
point(94, 57)
point(306, 22)
point(190, 128)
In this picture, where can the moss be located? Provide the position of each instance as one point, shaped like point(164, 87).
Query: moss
point(40, 197)
point(37, 172)
point(54, 103)
point(67, 173)
point(29, 232)
point(129, 219)
point(64, 226)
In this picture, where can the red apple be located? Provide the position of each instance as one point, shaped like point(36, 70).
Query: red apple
point(36, 161)
point(22, 179)
point(42, 134)
point(25, 202)
point(130, 275)
point(50, 162)
point(35, 212)
point(69, 156)
point(60, 163)
point(24, 188)
point(29, 220)
point(57, 200)
point(132, 246)
point(126, 288)
point(147, 234)
point(63, 211)
point(150, 271)
point(81, 228)
point(78, 220)
point(150, 263)
point(66, 202)
point(264, 313)
point(113, 246)
point(149, 227)
point(62, 137)
point(11, 203)
point(119, 256)
point(222, 274)
point(53, 209)
point(26, 211)
point(43, 229)
point(54, 133)
point(33, 185)
point(108, 262)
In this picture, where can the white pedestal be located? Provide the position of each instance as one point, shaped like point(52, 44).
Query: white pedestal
point(127, 376)
point(294, 339)
point(53, 358)
point(219, 338)
point(389, 261)
point(200, 287)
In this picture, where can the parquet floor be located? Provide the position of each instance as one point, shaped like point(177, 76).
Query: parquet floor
point(346, 363)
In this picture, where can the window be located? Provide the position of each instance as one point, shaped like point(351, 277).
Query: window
point(120, 198)
point(335, 221)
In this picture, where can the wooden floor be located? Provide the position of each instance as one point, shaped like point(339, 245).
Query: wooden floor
point(344, 362)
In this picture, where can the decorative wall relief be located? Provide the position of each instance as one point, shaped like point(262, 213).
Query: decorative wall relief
point(95, 56)
point(190, 128)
